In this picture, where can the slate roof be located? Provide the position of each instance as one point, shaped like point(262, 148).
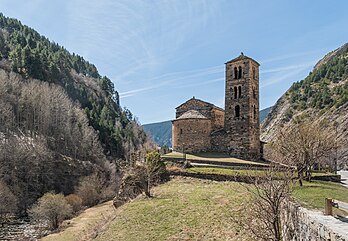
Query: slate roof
point(192, 114)
point(207, 103)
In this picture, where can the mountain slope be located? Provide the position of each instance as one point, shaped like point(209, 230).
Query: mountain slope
point(24, 51)
point(322, 95)
point(161, 132)
point(59, 119)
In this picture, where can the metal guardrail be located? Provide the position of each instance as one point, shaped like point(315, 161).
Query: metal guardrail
point(330, 203)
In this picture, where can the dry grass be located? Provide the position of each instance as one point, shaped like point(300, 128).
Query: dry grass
point(183, 209)
point(86, 225)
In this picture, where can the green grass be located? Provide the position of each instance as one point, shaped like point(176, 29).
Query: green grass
point(210, 156)
point(182, 209)
point(312, 194)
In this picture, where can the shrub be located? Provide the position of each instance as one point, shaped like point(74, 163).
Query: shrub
point(90, 189)
point(75, 202)
point(51, 207)
point(8, 201)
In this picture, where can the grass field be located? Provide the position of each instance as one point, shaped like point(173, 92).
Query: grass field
point(210, 156)
point(183, 209)
point(312, 194)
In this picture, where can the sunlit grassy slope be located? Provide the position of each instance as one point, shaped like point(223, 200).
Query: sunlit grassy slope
point(182, 209)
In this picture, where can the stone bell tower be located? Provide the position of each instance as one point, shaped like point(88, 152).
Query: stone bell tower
point(242, 108)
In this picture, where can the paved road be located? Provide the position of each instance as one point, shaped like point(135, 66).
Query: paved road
point(344, 177)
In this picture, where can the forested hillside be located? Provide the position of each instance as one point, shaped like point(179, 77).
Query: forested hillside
point(321, 96)
point(26, 52)
point(59, 119)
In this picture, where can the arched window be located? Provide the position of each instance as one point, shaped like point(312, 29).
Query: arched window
point(240, 73)
point(235, 92)
point(254, 112)
point(235, 73)
point(237, 111)
point(240, 91)
point(254, 73)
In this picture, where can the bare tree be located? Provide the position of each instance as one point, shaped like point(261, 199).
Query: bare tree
point(90, 189)
point(53, 208)
point(303, 146)
point(269, 194)
point(8, 201)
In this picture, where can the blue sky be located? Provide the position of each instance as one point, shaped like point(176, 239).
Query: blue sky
point(160, 53)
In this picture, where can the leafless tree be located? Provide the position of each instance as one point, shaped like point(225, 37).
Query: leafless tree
point(8, 201)
point(304, 145)
point(90, 189)
point(53, 208)
point(269, 194)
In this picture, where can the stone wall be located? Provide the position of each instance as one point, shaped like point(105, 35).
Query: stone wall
point(217, 118)
point(242, 108)
point(192, 135)
point(218, 141)
point(306, 225)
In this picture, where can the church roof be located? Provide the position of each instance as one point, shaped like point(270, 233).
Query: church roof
point(207, 103)
point(241, 57)
point(192, 114)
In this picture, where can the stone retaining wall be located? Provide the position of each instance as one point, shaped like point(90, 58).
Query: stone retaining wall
point(306, 225)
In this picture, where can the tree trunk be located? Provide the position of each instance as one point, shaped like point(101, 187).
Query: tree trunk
point(310, 174)
point(147, 188)
point(300, 174)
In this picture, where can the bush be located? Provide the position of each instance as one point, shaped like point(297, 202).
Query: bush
point(133, 183)
point(90, 190)
point(75, 202)
point(8, 201)
point(141, 178)
point(53, 208)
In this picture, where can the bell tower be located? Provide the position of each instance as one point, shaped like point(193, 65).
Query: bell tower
point(242, 108)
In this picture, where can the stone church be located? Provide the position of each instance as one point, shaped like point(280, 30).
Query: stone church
point(203, 127)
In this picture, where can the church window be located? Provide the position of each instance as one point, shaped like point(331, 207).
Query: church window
point(240, 72)
point(235, 92)
point(254, 112)
point(235, 73)
point(237, 111)
point(240, 91)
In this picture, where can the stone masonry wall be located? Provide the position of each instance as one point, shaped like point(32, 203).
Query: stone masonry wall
point(306, 225)
point(243, 93)
point(218, 141)
point(217, 119)
point(192, 135)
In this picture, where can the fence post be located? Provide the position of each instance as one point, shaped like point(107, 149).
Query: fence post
point(328, 206)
